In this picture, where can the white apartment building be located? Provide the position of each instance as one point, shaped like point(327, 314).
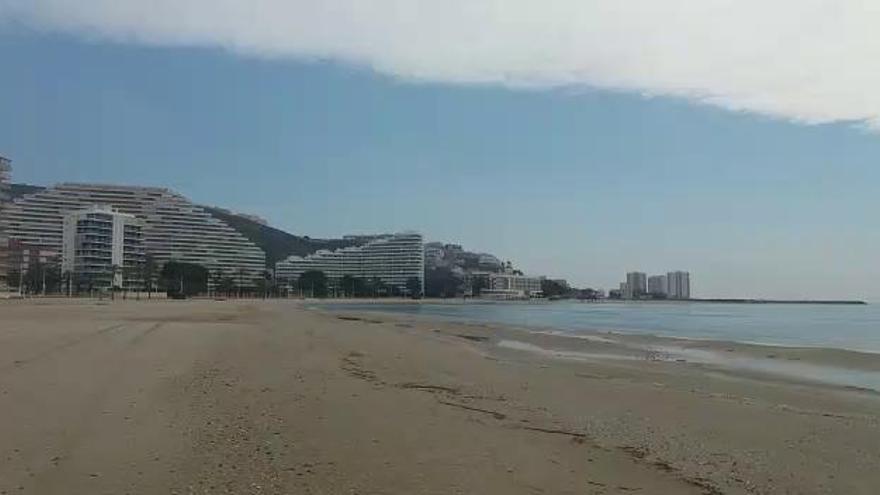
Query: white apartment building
point(636, 285)
point(173, 227)
point(5, 171)
point(508, 285)
point(489, 262)
point(102, 248)
point(433, 253)
point(657, 285)
point(679, 285)
point(391, 258)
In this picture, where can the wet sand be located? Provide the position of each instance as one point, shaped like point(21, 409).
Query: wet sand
point(271, 397)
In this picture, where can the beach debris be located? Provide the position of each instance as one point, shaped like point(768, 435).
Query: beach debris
point(495, 414)
point(655, 355)
point(593, 376)
point(637, 452)
point(352, 366)
point(430, 388)
point(349, 318)
point(576, 436)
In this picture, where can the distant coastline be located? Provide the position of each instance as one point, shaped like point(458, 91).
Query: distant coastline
point(777, 301)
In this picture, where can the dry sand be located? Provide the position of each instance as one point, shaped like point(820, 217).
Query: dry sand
point(269, 397)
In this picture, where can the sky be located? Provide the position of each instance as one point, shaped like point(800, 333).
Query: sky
point(578, 139)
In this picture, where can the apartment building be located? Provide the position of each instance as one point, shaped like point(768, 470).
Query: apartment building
point(103, 248)
point(5, 171)
point(391, 258)
point(636, 285)
point(173, 227)
point(511, 285)
point(657, 285)
point(679, 285)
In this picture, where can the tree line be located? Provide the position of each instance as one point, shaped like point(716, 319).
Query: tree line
point(181, 279)
point(315, 283)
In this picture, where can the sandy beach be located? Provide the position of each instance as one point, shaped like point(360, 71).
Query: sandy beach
point(278, 397)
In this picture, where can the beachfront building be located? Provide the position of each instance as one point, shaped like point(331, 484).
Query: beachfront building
point(5, 197)
point(433, 253)
point(5, 174)
point(392, 258)
point(173, 227)
point(636, 285)
point(26, 261)
point(679, 285)
point(657, 285)
point(489, 262)
point(102, 249)
point(511, 286)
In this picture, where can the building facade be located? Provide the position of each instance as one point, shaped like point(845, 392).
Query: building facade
point(102, 249)
point(636, 285)
point(679, 285)
point(22, 259)
point(657, 285)
point(507, 285)
point(393, 258)
point(173, 227)
point(5, 173)
point(433, 254)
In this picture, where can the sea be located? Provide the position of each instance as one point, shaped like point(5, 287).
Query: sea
point(851, 327)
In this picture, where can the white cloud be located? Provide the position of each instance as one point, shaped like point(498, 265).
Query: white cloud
point(812, 61)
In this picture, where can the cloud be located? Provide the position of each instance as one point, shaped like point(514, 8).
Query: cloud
point(810, 61)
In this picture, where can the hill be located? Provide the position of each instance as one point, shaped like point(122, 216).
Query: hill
point(277, 244)
point(19, 190)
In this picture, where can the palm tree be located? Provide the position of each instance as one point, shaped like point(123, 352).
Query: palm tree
point(115, 270)
point(217, 281)
point(149, 267)
point(241, 274)
point(67, 279)
point(414, 287)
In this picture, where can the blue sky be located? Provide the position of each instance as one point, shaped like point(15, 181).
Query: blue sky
point(567, 181)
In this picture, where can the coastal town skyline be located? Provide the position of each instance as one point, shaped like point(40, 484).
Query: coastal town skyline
point(645, 287)
point(574, 181)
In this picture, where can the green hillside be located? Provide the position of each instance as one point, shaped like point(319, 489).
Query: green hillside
point(277, 244)
point(19, 190)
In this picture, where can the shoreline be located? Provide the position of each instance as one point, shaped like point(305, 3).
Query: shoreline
point(330, 304)
point(832, 302)
point(836, 367)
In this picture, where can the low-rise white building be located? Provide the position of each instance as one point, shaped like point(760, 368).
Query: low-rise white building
point(507, 285)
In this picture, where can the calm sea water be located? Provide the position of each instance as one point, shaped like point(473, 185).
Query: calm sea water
point(843, 327)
